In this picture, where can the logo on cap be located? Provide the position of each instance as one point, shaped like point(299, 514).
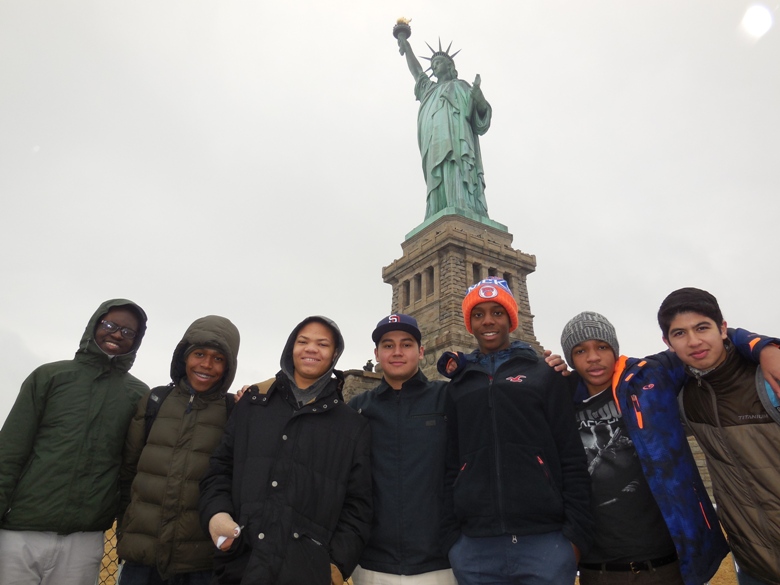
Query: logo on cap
point(394, 319)
point(488, 292)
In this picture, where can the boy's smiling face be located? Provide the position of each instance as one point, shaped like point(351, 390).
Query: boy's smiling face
point(697, 340)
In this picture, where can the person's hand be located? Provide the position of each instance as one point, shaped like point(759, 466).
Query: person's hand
point(479, 98)
point(243, 390)
point(403, 45)
point(223, 525)
point(770, 366)
point(336, 578)
point(556, 363)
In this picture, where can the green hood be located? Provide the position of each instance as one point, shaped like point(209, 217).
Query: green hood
point(211, 331)
point(90, 349)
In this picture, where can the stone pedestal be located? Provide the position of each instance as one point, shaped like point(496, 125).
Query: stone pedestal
point(441, 259)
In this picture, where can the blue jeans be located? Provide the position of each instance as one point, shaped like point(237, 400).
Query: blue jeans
point(534, 559)
point(135, 574)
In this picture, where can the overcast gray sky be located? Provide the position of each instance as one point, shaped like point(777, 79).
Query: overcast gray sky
point(258, 160)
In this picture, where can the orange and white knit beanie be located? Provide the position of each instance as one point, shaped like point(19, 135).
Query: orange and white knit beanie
point(490, 289)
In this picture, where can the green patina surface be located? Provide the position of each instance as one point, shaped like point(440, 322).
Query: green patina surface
point(456, 211)
point(452, 116)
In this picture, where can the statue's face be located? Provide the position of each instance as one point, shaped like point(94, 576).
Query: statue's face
point(442, 69)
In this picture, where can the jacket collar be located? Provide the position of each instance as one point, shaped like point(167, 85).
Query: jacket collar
point(419, 380)
point(515, 349)
point(326, 400)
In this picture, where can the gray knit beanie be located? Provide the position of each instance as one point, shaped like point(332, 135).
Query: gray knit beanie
point(584, 327)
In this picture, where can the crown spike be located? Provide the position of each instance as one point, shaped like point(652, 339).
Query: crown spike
point(441, 52)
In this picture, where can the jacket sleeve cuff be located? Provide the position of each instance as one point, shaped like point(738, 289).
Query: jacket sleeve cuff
point(577, 539)
point(749, 345)
point(450, 363)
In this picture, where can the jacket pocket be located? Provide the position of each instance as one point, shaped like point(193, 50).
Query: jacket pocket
point(230, 565)
point(532, 492)
point(472, 490)
point(307, 561)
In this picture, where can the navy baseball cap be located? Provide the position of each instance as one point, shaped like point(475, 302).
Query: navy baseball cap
point(397, 322)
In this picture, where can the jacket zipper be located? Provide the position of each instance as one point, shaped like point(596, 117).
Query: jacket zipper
point(496, 447)
point(701, 507)
point(544, 467)
point(637, 411)
point(399, 475)
point(762, 518)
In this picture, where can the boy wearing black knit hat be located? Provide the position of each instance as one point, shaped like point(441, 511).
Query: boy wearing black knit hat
point(649, 501)
point(653, 516)
point(516, 495)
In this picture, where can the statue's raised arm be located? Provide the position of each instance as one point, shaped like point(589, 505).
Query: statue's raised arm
point(452, 115)
point(411, 61)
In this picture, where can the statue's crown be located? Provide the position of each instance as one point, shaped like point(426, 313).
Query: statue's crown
point(440, 53)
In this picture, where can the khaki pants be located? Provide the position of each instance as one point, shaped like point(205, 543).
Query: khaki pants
point(47, 558)
point(363, 576)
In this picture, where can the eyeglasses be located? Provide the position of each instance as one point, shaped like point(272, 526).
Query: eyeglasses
point(112, 327)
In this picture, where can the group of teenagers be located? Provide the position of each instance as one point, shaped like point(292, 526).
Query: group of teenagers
point(513, 470)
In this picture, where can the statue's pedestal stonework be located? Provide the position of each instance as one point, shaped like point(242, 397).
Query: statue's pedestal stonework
point(439, 262)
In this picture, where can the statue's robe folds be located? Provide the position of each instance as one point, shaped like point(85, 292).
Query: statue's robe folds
point(448, 126)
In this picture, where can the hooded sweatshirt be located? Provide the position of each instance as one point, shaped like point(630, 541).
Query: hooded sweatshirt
point(160, 527)
point(61, 445)
point(288, 369)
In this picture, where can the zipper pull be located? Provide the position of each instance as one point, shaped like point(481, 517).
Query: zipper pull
point(543, 466)
point(638, 411)
point(189, 404)
point(701, 507)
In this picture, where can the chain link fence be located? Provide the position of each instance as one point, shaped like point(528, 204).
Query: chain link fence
point(109, 568)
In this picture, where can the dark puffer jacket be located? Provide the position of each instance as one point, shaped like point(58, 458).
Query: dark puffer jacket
point(161, 527)
point(61, 445)
point(297, 479)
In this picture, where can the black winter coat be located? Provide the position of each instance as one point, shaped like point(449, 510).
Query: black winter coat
point(515, 462)
point(299, 483)
point(408, 442)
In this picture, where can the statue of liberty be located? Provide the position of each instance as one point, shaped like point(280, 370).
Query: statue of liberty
point(452, 115)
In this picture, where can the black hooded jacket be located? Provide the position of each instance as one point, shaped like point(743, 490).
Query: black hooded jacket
point(296, 478)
